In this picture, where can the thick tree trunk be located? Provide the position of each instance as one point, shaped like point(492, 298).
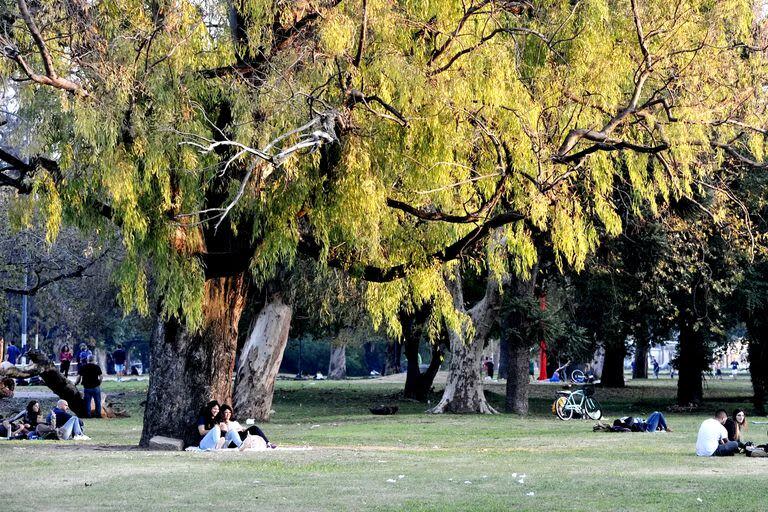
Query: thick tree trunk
point(189, 368)
point(613, 365)
point(642, 345)
point(515, 323)
point(516, 400)
point(260, 360)
point(758, 364)
point(337, 367)
point(691, 364)
point(464, 388)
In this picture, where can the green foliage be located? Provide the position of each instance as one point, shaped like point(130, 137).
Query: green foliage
point(480, 109)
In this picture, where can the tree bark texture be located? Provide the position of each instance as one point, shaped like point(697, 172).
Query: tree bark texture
point(464, 387)
point(392, 363)
point(691, 363)
point(514, 324)
point(613, 364)
point(642, 345)
point(337, 367)
point(189, 368)
point(758, 362)
point(504, 361)
point(260, 360)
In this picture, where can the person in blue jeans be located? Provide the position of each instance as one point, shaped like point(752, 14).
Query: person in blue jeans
point(66, 424)
point(90, 375)
point(656, 421)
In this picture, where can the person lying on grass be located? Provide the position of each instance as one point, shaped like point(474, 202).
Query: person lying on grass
point(67, 425)
point(655, 422)
point(228, 424)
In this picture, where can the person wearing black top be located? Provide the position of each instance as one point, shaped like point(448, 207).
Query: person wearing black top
point(735, 426)
point(90, 376)
point(119, 357)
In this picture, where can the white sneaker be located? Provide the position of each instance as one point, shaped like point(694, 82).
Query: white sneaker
point(81, 437)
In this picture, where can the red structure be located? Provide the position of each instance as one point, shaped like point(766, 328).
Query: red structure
point(542, 344)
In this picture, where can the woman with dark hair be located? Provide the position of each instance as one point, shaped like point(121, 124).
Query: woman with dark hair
point(228, 424)
point(65, 357)
point(207, 418)
point(209, 427)
point(736, 425)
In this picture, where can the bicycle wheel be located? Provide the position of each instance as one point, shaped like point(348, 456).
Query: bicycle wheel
point(578, 376)
point(564, 412)
point(592, 408)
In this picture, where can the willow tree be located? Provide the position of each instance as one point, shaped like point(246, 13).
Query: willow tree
point(386, 137)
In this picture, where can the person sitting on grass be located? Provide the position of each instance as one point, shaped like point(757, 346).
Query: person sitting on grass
point(69, 425)
point(9, 430)
point(209, 428)
point(655, 422)
point(736, 426)
point(29, 419)
point(227, 424)
point(712, 439)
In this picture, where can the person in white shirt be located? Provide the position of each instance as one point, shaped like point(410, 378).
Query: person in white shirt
point(713, 438)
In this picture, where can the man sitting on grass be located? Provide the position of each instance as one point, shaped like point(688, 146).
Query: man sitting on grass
point(69, 425)
point(713, 438)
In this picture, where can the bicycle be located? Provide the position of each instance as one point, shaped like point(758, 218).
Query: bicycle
point(577, 376)
point(580, 402)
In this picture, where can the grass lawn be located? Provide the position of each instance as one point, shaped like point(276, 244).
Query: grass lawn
point(409, 461)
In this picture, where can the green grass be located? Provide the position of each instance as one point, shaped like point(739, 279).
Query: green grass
point(437, 463)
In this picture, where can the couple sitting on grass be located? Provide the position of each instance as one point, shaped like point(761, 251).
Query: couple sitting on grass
point(218, 430)
point(29, 424)
point(721, 436)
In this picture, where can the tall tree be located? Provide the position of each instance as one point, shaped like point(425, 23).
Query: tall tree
point(189, 127)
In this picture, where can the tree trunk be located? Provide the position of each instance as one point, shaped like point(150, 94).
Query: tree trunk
point(758, 364)
point(337, 367)
point(613, 365)
point(642, 345)
point(417, 384)
point(515, 326)
point(392, 364)
point(464, 388)
point(691, 363)
point(504, 358)
point(516, 400)
point(189, 368)
point(260, 360)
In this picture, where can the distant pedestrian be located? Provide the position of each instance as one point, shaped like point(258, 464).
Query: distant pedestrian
point(490, 367)
point(90, 376)
point(65, 357)
point(118, 356)
point(734, 368)
point(656, 368)
point(13, 352)
point(83, 355)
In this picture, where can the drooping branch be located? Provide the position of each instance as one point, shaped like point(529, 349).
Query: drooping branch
point(51, 77)
point(309, 247)
point(361, 38)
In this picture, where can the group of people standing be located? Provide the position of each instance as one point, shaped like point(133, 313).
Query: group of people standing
point(218, 429)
